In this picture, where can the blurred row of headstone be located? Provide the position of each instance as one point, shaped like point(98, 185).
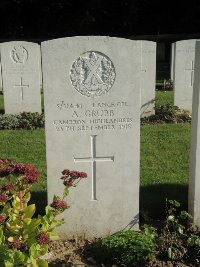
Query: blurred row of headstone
point(21, 75)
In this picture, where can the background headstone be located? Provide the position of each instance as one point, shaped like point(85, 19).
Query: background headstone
point(92, 110)
point(172, 55)
point(148, 78)
point(184, 73)
point(21, 66)
point(194, 181)
point(1, 88)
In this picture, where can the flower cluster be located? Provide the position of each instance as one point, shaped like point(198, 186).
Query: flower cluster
point(59, 204)
point(71, 177)
point(7, 187)
point(2, 219)
point(3, 198)
point(43, 238)
point(28, 172)
point(17, 245)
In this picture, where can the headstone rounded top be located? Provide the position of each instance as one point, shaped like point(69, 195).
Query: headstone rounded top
point(92, 74)
point(19, 54)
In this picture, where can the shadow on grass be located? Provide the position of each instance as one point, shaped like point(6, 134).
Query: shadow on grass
point(153, 200)
point(40, 200)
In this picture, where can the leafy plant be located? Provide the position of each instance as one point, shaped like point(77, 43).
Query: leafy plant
point(24, 120)
point(174, 236)
point(129, 248)
point(166, 112)
point(23, 238)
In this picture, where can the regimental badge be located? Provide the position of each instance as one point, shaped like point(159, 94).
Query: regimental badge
point(19, 54)
point(92, 74)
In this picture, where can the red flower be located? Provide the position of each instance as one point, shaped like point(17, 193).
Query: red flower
point(59, 204)
point(74, 174)
point(6, 171)
point(83, 175)
point(31, 177)
point(68, 183)
point(16, 245)
point(3, 198)
point(2, 219)
point(66, 172)
point(29, 171)
point(43, 238)
point(7, 187)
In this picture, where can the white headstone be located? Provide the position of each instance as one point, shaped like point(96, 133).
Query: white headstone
point(21, 64)
point(92, 109)
point(184, 73)
point(172, 55)
point(148, 78)
point(194, 181)
point(1, 89)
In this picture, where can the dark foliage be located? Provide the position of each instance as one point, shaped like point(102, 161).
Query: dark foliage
point(57, 18)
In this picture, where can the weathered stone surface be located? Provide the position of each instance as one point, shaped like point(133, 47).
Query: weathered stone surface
point(172, 55)
point(1, 89)
point(184, 73)
point(194, 181)
point(92, 109)
point(148, 78)
point(21, 74)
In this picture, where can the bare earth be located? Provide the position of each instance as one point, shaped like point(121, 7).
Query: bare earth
point(74, 253)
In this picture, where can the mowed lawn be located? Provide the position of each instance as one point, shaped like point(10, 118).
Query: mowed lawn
point(164, 167)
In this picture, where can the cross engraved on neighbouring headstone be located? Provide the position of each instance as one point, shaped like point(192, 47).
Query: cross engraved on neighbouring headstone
point(21, 85)
point(192, 73)
point(93, 159)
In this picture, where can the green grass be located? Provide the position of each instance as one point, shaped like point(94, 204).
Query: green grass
point(27, 146)
point(164, 97)
point(164, 166)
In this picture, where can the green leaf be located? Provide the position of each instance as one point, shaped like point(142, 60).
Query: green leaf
point(27, 196)
point(33, 251)
point(33, 224)
point(2, 237)
point(19, 258)
point(53, 236)
point(56, 223)
point(174, 203)
point(42, 263)
point(13, 238)
point(43, 249)
point(8, 263)
point(66, 192)
point(29, 211)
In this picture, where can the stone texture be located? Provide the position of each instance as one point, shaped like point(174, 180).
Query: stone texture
point(172, 55)
point(92, 109)
point(194, 181)
point(21, 74)
point(1, 89)
point(148, 78)
point(184, 73)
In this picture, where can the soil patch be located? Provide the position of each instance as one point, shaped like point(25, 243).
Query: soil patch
point(75, 253)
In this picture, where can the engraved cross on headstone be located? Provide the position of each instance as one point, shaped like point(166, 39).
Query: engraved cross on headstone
point(21, 85)
point(93, 159)
point(192, 73)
